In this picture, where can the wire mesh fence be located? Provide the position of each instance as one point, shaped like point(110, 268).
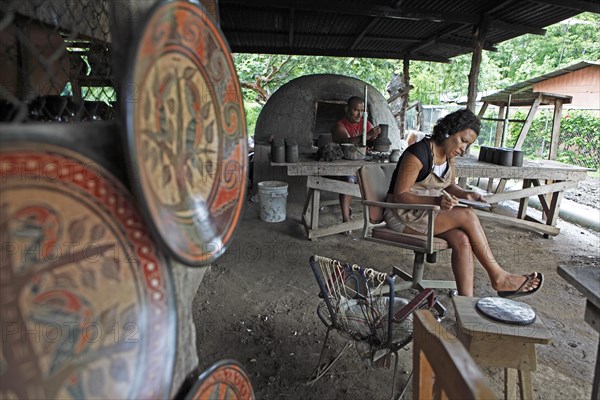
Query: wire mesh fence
point(578, 141)
point(55, 60)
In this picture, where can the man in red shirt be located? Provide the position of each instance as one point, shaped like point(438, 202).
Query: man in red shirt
point(349, 130)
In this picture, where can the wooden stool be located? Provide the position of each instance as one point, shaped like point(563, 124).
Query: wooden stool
point(497, 344)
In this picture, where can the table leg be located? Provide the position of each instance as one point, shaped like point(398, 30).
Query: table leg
point(523, 202)
point(316, 199)
point(526, 387)
point(510, 383)
point(490, 185)
point(307, 211)
point(501, 185)
point(554, 208)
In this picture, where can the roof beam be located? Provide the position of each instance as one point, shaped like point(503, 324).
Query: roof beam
point(364, 10)
point(464, 43)
point(573, 5)
point(520, 29)
point(433, 39)
point(317, 36)
point(334, 53)
point(364, 31)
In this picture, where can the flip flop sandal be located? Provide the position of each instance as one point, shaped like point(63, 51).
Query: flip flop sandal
point(520, 292)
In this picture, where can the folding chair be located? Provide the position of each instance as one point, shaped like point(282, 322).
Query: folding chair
point(374, 183)
point(361, 305)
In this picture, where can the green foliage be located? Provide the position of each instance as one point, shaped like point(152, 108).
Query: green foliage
point(252, 111)
point(579, 139)
point(565, 43)
point(270, 72)
point(435, 83)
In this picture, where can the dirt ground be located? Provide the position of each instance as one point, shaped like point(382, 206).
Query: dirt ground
point(257, 305)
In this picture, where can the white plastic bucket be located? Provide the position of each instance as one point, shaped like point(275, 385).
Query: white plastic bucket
point(272, 197)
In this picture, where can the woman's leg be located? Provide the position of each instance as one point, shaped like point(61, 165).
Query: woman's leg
point(462, 260)
point(466, 220)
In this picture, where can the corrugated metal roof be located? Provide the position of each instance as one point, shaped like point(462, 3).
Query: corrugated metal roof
point(431, 30)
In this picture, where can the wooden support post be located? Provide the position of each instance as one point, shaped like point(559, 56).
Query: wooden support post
point(480, 33)
point(479, 41)
point(404, 96)
point(525, 385)
point(558, 104)
point(316, 197)
point(510, 383)
point(500, 125)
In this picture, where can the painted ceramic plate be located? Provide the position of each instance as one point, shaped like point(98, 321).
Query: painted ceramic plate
point(187, 132)
point(225, 380)
point(87, 307)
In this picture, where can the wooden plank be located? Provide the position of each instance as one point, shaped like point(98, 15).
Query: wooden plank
point(585, 279)
point(528, 121)
point(338, 228)
point(332, 185)
point(531, 191)
point(438, 353)
point(519, 223)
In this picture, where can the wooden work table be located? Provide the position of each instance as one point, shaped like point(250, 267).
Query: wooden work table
point(587, 280)
point(543, 178)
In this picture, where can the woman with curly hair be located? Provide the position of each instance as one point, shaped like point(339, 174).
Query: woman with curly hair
point(424, 171)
